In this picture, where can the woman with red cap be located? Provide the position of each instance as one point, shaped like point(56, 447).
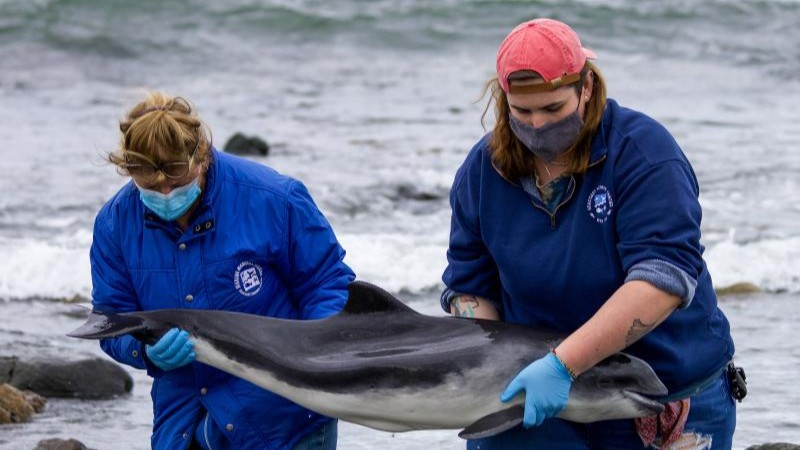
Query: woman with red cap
point(580, 215)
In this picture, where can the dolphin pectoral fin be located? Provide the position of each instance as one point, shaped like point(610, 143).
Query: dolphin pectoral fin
point(494, 423)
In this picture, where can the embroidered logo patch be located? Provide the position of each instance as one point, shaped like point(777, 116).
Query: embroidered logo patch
point(248, 278)
point(600, 204)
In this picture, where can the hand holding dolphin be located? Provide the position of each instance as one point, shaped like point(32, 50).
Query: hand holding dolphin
point(546, 383)
point(173, 350)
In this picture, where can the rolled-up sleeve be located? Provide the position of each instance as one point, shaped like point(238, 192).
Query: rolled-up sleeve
point(667, 277)
point(659, 228)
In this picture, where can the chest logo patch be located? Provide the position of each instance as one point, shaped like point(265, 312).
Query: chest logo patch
point(248, 278)
point(600, 204)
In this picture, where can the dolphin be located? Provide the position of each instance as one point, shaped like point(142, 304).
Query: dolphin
point(380, 364)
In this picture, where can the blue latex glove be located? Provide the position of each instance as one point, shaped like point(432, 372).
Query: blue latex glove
point(546, 383)
point(173, 350)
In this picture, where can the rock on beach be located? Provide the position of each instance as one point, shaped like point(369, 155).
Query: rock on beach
point(91, 378)
point(239, 144)
point(61, 444)
point(18, 406)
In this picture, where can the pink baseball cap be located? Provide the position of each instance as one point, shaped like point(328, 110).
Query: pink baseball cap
point(546, 46)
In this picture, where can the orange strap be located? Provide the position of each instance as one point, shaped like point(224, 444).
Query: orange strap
point(555, 83)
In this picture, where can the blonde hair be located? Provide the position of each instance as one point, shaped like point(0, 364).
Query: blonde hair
point(161, 125)
point(509, 155)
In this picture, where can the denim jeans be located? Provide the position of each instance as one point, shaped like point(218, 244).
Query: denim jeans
point(710, 426)
point(323, 438)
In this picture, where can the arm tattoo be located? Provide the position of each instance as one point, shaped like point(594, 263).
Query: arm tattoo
point(465, 305)
point(637, 330)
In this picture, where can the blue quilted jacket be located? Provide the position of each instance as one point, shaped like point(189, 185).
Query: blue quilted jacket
point(256, 244)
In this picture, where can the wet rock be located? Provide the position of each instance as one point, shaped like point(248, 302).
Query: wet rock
point(92, 378)
point(412, 192)
point(37, 401)
point(61, 444)
point(17, 406)
point(738, 288)
point(774, 446)
point(239, 144)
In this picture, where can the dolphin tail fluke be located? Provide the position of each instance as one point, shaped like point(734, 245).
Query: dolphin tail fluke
point(495, 423)
point(101, 325)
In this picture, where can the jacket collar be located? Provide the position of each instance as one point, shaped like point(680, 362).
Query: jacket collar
point(599, 149)
point(202, 219)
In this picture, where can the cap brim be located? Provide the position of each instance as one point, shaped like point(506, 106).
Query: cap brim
point(589, 54)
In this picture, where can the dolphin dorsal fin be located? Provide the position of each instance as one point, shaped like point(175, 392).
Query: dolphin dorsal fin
point(366, 298)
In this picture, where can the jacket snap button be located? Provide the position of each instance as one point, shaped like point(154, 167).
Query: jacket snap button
point(203, 391)
point(189, 298)
point(229, 427)
point(182, 246)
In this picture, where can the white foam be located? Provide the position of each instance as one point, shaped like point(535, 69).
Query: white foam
point(55, 269)
point(397, 262)
point(773, 265)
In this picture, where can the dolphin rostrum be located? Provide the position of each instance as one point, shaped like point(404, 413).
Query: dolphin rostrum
point(381, 364)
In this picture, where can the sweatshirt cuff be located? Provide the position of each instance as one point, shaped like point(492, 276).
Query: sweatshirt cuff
point(666, 277)
point(445, 298)
point(449, 294)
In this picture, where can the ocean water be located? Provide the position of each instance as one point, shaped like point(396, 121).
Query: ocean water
point(373, 105)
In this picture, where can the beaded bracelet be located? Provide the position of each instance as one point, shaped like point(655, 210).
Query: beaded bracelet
point(569, 371)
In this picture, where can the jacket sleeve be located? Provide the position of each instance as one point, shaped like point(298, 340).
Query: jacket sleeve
point(314, 265)
point(112, 291)
point(658, 224)
point(470, 267)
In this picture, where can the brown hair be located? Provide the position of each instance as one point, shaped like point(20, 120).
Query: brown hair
point(161, 125)
point(512, 159)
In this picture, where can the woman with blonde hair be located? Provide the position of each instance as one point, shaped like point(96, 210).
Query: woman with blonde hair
point(580, 215)
point(199, 229)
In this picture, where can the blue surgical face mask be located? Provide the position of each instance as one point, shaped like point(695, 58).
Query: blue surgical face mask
point(173, 205)
point(548, 141)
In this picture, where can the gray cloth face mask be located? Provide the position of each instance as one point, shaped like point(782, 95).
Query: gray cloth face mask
point(548, 141)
